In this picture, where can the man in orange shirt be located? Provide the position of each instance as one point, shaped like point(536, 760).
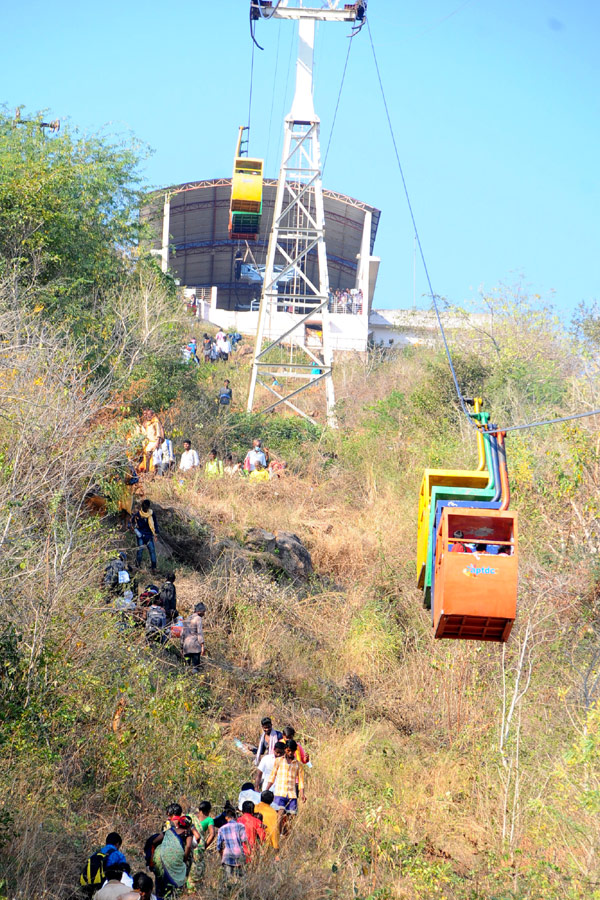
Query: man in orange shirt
point(270, 819)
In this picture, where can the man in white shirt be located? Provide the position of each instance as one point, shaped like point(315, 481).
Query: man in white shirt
point(255, 455)
point(189, 458)
point(118, 883)
point(248, 793)
point(265, 766)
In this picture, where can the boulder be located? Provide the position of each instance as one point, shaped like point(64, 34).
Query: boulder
point(285, 550)
point(259, 539)
point(294, 556)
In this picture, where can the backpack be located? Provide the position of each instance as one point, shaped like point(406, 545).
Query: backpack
point(111, 575)
point(156, 620)
point(225, 397)
point(149, 849)
point(94, 870)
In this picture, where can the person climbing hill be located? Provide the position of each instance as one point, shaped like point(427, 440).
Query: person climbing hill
point(268, 738)
point(232, 844)
point(214, 466)
point(286, 774)
point(255, 832)
point(145, 526)
point(192, 638)
point(96, 866)
point(153, 431)
point(270, 819)
point(225, 394)
point(172, 854)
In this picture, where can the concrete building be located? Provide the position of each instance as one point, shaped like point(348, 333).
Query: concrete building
point(203, 258)
point(413, 327)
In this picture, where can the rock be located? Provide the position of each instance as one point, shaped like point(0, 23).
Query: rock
point(285, 550)
point(259, 539)
point(294, 556)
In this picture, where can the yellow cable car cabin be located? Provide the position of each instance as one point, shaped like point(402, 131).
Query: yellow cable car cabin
point(246, 195)
point(247, 185)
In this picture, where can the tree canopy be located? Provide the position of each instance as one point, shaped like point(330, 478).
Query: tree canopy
point(68, 215)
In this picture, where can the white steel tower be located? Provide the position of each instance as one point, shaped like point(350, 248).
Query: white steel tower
point(293, 307)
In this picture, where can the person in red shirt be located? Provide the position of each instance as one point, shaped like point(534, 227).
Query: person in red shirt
point(458, 547)
point(255, 831)
point(289, 734)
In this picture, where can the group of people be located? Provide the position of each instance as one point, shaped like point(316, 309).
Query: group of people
point(346, 301)
point(459, 545)
point(175, 855)
point(214, 349)
point(156, 609)
point(257, 464)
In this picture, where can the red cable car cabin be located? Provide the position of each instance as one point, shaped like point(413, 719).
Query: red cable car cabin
point(475, 589)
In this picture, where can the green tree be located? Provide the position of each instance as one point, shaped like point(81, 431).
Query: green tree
point(68, 219)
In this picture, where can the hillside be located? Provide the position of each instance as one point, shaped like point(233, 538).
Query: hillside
point(444, 769)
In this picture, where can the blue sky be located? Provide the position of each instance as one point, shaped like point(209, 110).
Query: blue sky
point(495, 107)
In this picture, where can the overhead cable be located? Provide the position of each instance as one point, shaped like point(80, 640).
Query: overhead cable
point(339, 97)
point(417, 237)
point(434, 299)
point(250, 95)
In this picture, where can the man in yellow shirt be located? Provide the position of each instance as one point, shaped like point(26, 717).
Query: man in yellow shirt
point(286, 774)
point(270, 819)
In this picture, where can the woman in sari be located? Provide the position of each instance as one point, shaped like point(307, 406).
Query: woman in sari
point(173, 856)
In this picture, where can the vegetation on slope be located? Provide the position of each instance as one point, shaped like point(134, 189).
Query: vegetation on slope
point(458, 771)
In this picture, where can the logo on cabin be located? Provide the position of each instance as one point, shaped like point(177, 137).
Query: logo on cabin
point(472, 571)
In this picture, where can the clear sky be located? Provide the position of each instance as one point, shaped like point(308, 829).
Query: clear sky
point(495, 106)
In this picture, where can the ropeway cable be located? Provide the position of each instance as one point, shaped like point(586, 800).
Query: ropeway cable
point(417, 237)
point(250, 97)
point(504, 429)
point(582, 415)
point(337, 105)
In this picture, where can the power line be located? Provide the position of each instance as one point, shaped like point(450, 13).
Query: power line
point(267, 155)
point(337, 105)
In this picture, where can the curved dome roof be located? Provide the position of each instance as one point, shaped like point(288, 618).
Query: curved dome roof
point(202, 254)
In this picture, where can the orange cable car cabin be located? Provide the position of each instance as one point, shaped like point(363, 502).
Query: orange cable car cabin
point(476, 566)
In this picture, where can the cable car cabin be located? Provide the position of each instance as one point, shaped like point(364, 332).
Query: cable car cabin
point(247, 185)
point(475, 588)
point(452, 478)
point(244, 226)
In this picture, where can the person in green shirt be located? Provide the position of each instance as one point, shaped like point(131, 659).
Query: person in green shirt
point(204, 832)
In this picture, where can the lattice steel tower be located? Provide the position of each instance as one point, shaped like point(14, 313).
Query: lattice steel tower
point(293, 317)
